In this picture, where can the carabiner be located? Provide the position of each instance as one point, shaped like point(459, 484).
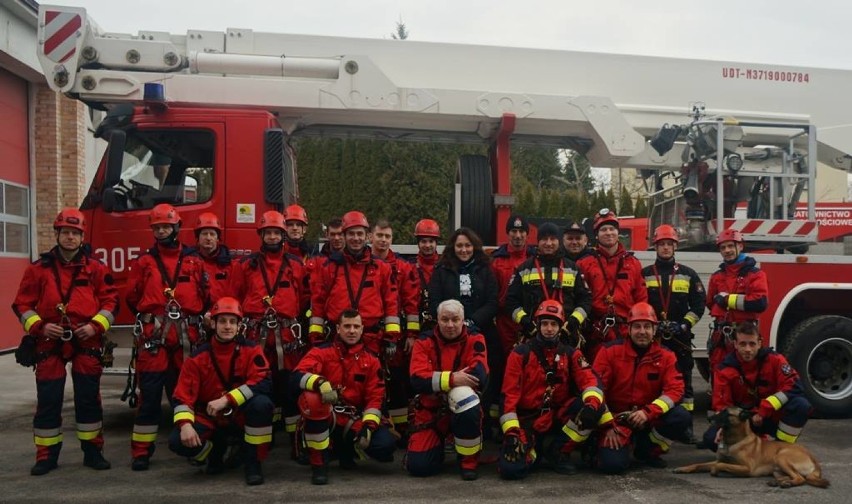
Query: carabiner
point(173, 309)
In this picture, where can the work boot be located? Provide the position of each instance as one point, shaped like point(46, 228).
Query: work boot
point(216, 458)
point(469, 474)
point(319, 475)
point(42, 467)
point(141, 463)
point(563, 465)
point(254, 473)
point(95, 459)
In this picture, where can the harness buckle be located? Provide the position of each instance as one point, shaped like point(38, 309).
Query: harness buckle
point(270, 317)
point(728, 332)
point(173, 308)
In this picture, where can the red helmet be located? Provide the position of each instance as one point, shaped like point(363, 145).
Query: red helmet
point(296, 213)
point(271, 219)
point(605, 216)
point(227, 305)
point(208, 220)
point(354, 219)
point(642, 312)
point(729, 234)
point(427, 228)
point(312, 407)
point(164, 214)
point(665, 232)
point(70, 218)
point(550, 308)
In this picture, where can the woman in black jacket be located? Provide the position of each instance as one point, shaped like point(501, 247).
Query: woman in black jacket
point(464, 273)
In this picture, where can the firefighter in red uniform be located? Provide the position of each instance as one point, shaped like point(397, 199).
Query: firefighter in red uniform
point(504, 261)
point(427, 232)
point(215, 256)
point(67, 301)
point(224, 387)
point(397, 358)
point(737, 292)
point(543, 378)
point(341, 401)
point(354, 279)
point(273, 286)
point(615, 278)
point(643, 388)
point(296, 225)
point(449, 369)
point(167, 291)
point(677, 294)
point(760, 380)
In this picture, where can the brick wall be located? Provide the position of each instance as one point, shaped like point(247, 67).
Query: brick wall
point(60, 130)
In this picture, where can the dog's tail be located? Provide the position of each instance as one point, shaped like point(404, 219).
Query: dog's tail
point(815, 479)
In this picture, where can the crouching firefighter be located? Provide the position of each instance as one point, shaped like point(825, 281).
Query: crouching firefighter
point(449, 369)
point(341, 400)
point(274, 288)
point(167, 290)
point(540, 412)
point(224, 387)
point(66, 302)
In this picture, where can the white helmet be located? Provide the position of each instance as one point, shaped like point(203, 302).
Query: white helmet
point(461, 399)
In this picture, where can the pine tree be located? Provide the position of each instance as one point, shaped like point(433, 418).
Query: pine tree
point(626, 207)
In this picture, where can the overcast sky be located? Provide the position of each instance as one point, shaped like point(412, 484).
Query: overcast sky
point(788, 32)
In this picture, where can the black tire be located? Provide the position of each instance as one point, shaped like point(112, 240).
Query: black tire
point(820, 349)
point(477, 197)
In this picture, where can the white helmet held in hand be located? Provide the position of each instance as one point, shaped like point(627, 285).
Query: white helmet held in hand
point(461, 399)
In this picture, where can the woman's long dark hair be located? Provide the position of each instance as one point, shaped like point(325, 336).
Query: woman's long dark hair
point(451, 261)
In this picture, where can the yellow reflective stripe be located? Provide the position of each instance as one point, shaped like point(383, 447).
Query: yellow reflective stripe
point(184, 415)
point(511, 424)
point(691, 318)
point(276, 415)
point(143, 438)
point(592, 393)
point(659, 440)
point(663, 405)
point(579, 316)
point(399, 419)
point(519, 314)
point(783, 436)
point(237, 396)
point(529, 277)
point(290, 428)
point(732, 301)
point(688, 406)
point(87, 435)
point(680, 286)
point(317, 445)
point(102, 321)
point(261, 439)
point(315, 328)
point(574, 435)
point(47, 441)
point(774, 402)
point(206, 448)
point(413, 325)
point(391, 327)
point(606, 418)
point(445, 381)
point(371, 417)
point(651, 283)
point(468, 446)
point(31, 321)
point(309, 384)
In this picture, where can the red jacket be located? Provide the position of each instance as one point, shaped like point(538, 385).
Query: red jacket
point(330, 294)
point(525, 380)
point(93, 299)
point(620, 274)
point(200, 383)
point(221, 270)
point(434, 359)
point(353, 371)
point(407, 288)
point(146, 285)
point(287, 284)
point(746, 285)
point(651, 382)
point(765, 384)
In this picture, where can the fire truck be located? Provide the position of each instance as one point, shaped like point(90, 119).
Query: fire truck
point(203, 120)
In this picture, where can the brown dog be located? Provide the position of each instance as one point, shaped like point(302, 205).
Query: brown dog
point(747, 454)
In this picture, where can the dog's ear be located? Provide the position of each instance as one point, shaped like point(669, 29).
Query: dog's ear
point(745, 415)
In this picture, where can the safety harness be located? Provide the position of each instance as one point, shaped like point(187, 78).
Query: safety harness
point(271, 324)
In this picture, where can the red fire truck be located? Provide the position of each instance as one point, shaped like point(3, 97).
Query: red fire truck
point(203, 120)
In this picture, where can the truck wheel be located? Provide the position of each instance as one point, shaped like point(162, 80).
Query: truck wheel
point(820, 348)
point(477, 198)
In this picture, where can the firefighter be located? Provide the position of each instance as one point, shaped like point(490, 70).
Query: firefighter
point(737, 292)
point(548, 275)
point(67, 302)
point(504, 261)
point(760, 380)
point(342, 391)
point(215, 256)
point(543, 379)
point(333, 236)
point(396, 356)
point(614, 277)
point(427, 232)
point(168, 293)
point(643, 388)
point(677, 295)
point(273, 286)
point(448, 371)
point(575, 241)
point(224, 387)
point(296, 225)
point(354, 279)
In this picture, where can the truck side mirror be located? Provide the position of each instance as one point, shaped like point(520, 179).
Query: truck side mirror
point(115, 157)
point(108, 199)
point(279, 177)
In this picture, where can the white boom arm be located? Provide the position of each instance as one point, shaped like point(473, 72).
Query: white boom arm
point(608, 104)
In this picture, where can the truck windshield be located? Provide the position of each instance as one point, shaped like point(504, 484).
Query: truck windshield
point(165, 166)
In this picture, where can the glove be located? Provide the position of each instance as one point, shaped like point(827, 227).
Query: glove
point(329, 395)
point(527, 325)
point(471, 326)
point(721, 300)
point(390, 350)
point(513, 449)
point(573, 325)
point(587, 417)
point(364, 436)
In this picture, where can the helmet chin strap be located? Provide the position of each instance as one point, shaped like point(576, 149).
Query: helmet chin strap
point(170, 241)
